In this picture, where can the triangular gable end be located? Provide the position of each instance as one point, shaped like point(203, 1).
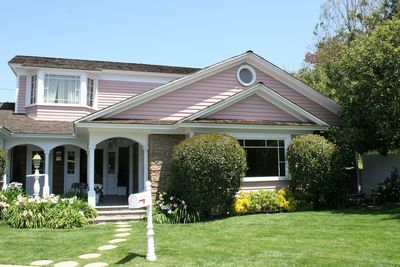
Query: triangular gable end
point(253, 108)
point(243, 101)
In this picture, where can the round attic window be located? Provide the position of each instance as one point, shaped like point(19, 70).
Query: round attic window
point(246, 75)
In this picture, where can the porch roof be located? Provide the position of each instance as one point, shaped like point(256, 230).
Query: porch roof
point(22, 123)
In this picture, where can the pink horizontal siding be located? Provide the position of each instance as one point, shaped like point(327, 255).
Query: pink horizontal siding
point(111, 92)
point(253, 107)
point(200, 95)
point(21, 94)
point(57, 113)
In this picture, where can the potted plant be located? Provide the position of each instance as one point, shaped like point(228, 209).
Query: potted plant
point(98, 188)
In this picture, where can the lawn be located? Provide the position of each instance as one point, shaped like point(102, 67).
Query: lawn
point(368, 237)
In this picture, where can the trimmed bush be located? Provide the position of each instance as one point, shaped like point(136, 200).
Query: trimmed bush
point(207, 172)
point(316, 172)
point(3, 162)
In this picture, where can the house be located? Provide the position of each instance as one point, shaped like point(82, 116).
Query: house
point(116, 123)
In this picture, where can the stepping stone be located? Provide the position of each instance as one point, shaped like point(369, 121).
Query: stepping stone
point(107, 247)
point(122, 225)
point(66, 264)
point(118, 240)
point(89, 256)
point(122, 234)
point(123, 229)
point(41, 263)
point(96, 264)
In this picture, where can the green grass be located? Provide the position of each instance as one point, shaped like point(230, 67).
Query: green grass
point(369, 237)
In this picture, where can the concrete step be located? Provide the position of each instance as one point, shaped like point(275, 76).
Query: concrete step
point(118, 213)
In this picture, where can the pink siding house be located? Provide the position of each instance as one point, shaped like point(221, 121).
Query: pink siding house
point(115, 124)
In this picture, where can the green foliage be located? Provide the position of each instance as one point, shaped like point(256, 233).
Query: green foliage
point(263, 201)
point(207, 171)
point(316, 171)
point(369, 81)
point(388, 190)
point(80, 194)
point(170, 209)
point(52, 212)
point(3, 162)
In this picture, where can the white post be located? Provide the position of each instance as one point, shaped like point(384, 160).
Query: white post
point(46, 187)
point(90, 176)
point(151, 254)
point(6, 171)
point(36, 185)
point(145, 164)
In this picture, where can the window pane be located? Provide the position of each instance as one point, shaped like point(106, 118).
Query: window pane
point(281, 154)
point(71, 162)
point(262, 162)
point(273, 143)
point(281, 143)
point(63, 89)
point(111, 162)
point(241, 142)
point(282, 169)
point(90, 87)
point(33, 89)
point(255, 143)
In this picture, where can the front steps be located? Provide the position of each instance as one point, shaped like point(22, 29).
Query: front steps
point(118, 214)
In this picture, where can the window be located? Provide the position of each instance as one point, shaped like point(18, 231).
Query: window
point(246, 75)
point(111, 162)
point(33, 89)
point(90, 90)
point(62, 89)
point(265, 157)
point(41, 167)
point(71, 162)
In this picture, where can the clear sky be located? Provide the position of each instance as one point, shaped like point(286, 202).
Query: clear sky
point(182, 33)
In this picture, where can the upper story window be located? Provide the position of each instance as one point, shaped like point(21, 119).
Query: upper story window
point(63, 89)
point(90, 90)
point(33, 89)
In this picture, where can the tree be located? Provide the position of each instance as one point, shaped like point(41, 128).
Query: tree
point(367, 78)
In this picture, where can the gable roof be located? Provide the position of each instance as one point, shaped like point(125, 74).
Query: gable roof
point(269, 95)
point(95, 65)
point(248, 57)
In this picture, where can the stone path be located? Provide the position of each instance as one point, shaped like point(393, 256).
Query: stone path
point(121, 227)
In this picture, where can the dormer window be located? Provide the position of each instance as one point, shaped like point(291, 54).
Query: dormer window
point(33, 89)
point(63, 89)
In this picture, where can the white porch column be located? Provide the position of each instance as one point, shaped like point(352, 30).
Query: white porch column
point(145, 164)
point(46, 187)
point(5, 176)
point(130, 183)
point(90, 176)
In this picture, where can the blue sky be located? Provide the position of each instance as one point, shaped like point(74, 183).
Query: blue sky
point(182, 33)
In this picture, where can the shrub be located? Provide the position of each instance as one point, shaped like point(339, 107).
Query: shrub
point(170, 209)
point(51, 212)
point(207, 171)
point(3, 162)
point(316, 171)
point(263, 201)
point(80, 194)
point(389, 189)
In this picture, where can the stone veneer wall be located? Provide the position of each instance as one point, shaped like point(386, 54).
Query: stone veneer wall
point(160, 156)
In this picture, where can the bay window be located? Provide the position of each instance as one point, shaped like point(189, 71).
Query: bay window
point(265, 158)
point(89, 93)
point(62, 89)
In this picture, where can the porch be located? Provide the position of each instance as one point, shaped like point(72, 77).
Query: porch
point(115, 163)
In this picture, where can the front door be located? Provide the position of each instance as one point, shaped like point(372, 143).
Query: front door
point(111, 173)
point(71, 174)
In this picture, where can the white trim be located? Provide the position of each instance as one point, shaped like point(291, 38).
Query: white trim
point(252, 71)
point(272, 97)
point(16, 94)
point(265, 179)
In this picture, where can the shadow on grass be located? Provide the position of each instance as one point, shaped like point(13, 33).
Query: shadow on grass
point(130, 257)
point(392, 209)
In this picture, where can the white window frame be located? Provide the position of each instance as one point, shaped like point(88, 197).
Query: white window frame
point(252, 71)
point(77, 80)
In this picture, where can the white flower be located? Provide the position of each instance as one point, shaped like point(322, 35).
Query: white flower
point(169, 211)
point(171, 198)
point(183, 202)
point(81, 213)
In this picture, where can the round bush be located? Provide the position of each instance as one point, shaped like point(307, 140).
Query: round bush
point(315, 171)
point(207, 171)
point(3, 162)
